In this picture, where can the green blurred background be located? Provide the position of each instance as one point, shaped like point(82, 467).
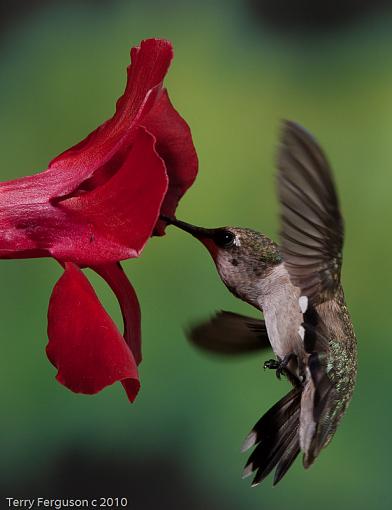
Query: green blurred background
point(237, 71)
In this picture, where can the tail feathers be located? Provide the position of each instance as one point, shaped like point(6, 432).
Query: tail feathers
point(276, 437)
point(287, 459)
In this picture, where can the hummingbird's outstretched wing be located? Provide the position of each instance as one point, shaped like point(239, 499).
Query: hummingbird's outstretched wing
point(230, 333)
point(312, 226)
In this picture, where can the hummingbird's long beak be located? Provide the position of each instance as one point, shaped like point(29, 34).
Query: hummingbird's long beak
point(198, 232)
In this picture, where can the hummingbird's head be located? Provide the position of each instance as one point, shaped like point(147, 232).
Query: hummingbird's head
point(242, 256)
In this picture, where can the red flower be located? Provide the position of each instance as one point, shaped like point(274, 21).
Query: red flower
point(95, 205)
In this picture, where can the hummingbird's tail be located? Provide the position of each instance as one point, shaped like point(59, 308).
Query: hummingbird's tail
point(276, 435)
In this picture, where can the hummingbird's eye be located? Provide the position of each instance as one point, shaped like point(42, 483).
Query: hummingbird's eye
point(224, 238)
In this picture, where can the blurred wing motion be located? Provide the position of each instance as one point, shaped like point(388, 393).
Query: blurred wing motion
point(312, 226)
point(230, 333)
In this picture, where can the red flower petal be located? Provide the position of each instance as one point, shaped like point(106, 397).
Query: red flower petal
point(115, 276)
point(66, 172)
point(175, 146)
point(98, 202)
point(107, 224)
point(150, 62)
point(84, 343)
point(114, 221)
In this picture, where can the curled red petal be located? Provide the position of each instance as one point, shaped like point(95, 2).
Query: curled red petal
point(150, 62)
point(107, 224)
point(84, 343)
point(175, 146)
point(116, 278)
point(68, 171)
point(99, 201)
point(114, 221)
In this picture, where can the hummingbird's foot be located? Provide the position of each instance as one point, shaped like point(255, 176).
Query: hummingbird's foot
point(280, 364)
point(273, 364)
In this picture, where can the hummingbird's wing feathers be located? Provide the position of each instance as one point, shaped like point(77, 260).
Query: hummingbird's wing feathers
point(276, 439)
point(319, 399)
point(312, 226)
point(324, 404)
point(230, 333)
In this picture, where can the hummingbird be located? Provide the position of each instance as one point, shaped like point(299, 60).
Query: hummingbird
point(297, 287)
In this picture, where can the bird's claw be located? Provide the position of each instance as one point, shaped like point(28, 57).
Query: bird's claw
point(279, 365)
point(273, 364)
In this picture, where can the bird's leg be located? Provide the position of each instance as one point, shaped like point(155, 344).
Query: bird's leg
point(280, 364)
point(283, 364)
